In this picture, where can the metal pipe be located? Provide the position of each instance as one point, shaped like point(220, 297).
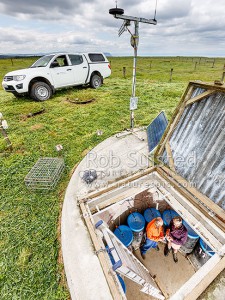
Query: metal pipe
point(135, 37)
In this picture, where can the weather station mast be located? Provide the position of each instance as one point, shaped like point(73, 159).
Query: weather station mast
point(118, 13)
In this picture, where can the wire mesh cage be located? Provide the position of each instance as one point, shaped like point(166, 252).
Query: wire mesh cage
point(45, 174)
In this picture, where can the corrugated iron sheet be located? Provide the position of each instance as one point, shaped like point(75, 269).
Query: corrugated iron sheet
point(198, 146)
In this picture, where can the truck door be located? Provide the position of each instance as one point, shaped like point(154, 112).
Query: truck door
point(80, 68)
point(61, 72)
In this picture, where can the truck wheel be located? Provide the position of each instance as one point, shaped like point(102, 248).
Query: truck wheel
point(40, 91)
point(96, 81)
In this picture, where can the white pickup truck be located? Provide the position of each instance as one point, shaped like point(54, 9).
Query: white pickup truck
point(56, 71)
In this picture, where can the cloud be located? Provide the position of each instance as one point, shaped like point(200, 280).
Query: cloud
point(33, 39)
point(34, 7)
point(74, 24)
point(173, 9)
point(49, 10)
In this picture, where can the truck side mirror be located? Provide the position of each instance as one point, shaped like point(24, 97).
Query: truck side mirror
point(54, 64)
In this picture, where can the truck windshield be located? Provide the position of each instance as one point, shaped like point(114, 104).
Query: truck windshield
point(42, 62)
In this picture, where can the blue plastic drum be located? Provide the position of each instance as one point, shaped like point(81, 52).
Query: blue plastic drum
point(192, 239)
point(206, 248)
point(124, 234)
point(136, 222)
point(191, 233)
point(151, 213)
point(122, 283)
point(203, 252)
point(168, 215)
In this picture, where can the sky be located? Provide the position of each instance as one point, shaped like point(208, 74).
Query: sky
point(184, 27)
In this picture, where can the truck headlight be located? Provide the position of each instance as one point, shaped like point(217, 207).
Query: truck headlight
point(19, 77)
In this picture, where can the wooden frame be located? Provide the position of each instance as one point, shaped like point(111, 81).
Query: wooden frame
point(194, 200)
point(181, 106)
point(199, 97)
point(174, 120)
point(206, 274)
point(194, 196)
point(115, 185)
point(165, 146)
point(101, 256)
point(194, 287)
point(170, 156)
point(118, 195)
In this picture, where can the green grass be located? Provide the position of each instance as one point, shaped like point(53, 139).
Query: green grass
point(30, 268)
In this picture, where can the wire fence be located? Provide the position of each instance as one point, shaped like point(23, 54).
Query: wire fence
point(171, 69)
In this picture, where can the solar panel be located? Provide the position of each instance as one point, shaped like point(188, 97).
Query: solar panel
point(155, 130)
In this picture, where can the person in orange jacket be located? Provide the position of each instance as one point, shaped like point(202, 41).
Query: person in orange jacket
point(155, 234)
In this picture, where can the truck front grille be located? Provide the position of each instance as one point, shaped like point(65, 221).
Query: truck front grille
point(8, 78)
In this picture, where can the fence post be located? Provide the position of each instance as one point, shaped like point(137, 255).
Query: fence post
point(12, 61)
point(213, 63)
point(195, 65)
point(171, 74)
point(150, 65)
point(124, 72)
point(223, 76)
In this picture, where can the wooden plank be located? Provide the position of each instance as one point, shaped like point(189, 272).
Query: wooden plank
point(211, 275)
point(180, 108)
point(174, 120)
point(117, 184)
point(201, 206)
point(193, 288)
point(161, 286)
point(192, 200)
point(207, 85)
point(192, 216)
point(199, 97)
point(191, 207)
point(101, 256)
point(170, 156)
point(113, 194)
point(208, 202)
point(130, 193)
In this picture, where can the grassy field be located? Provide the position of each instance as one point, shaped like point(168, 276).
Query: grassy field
point(31, 266)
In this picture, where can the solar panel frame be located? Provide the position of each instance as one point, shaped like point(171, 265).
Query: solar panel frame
point(156, 129)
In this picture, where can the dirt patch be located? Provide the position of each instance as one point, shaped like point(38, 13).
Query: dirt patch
point(80, 101)
point(85, 152)
point(36, 127)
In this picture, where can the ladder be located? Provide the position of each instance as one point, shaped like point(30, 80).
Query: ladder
point(126, 264)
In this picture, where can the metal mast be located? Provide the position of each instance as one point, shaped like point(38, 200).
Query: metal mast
point(118, 13)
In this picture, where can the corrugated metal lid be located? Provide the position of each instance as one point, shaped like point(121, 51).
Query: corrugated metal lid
point(194, 143)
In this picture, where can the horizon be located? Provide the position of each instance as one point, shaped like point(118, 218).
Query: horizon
point(108, 55)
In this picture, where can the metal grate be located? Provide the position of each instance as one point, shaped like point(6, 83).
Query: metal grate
point(8, 78)
point(45, 174)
